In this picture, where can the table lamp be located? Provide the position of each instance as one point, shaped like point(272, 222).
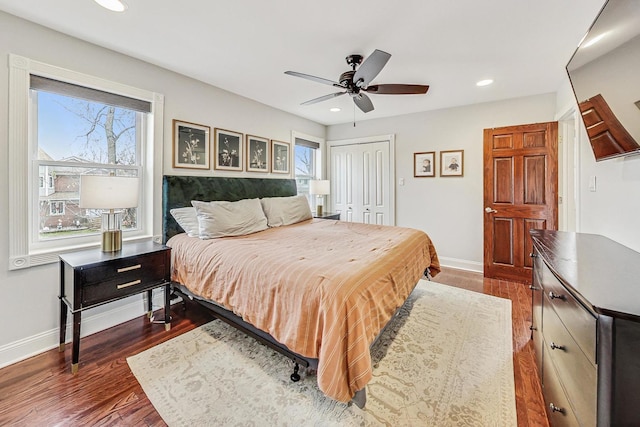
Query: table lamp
point(319, 187)
point(109, 192)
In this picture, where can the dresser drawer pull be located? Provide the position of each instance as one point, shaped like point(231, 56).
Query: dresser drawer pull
point(533, 255)
point(126, 285)
point(533, 328)
point(133, 267)
point(555, 346)
point(554, 408)
point(554, 296)
point(534, 288)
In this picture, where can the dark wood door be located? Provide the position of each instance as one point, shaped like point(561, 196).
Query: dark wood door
point(520, 193)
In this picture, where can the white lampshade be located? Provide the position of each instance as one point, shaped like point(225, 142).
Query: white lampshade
point(319, 187)
point(108, 192)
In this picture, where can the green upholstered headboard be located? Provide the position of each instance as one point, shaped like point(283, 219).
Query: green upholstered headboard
point(179, 191)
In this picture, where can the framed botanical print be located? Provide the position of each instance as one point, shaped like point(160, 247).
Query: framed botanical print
point(190, 145)
point(424, 164)
point(280, 156)
point(257, 154)
point(452, 163)
point(228, 150)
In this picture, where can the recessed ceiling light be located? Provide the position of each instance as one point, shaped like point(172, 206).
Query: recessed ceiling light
point(113, 5)
point(484, 82)
point(334, 109)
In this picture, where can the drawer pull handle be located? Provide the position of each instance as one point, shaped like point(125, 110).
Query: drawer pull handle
point(133, 267)
point(533, 255)
point(534, 288)
point(554, 296)
point(126, 285)
point(555, 346)
point(555, 408)
point(533, 328)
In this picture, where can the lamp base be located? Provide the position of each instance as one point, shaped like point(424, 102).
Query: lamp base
point(319, 210)
point(111, 240)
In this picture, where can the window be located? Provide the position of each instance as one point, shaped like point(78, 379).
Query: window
point(72, 124)
point(77, 133)
point(306, 165)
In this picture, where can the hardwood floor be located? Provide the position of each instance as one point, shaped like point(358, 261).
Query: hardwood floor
point(41, 391)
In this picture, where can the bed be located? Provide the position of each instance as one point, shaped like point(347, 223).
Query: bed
point(319, 291)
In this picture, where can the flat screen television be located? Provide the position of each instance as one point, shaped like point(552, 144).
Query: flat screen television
point(605, 76)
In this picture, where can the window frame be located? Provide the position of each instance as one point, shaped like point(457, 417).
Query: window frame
point(23, 173)
point(318, 172)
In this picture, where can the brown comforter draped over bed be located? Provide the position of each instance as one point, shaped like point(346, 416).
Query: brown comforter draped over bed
point(323, 288)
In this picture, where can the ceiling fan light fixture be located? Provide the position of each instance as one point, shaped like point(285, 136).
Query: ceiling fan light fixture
point(112, 5)
point(485, 82)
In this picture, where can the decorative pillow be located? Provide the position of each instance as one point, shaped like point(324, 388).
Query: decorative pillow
point(285, 210)
point(187, 219)
point(222, 219)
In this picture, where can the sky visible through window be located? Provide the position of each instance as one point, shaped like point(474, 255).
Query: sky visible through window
point(64, 122)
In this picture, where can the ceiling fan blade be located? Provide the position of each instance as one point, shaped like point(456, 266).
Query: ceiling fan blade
point(313, 78)
point(370, 68)
point(363, 102)
point(323, 98)
point(398, 89)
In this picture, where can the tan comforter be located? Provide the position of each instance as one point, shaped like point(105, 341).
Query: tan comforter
point(323, 288)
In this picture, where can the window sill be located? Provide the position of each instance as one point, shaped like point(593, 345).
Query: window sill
point(49, 256)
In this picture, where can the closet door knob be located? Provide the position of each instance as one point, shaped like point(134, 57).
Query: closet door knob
point(556, 296)
point(555, 408)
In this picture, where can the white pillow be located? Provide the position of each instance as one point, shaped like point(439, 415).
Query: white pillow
point(222, 219)
point(285, 210)
point(187, 219)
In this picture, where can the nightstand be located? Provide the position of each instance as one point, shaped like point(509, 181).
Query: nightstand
point(91, 278)
point(327, 215)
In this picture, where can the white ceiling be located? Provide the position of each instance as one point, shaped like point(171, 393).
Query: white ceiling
point(244, 46)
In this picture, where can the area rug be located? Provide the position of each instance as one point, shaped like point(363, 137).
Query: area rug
point(445, 360)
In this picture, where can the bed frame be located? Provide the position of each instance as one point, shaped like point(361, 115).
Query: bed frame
point(179, 191)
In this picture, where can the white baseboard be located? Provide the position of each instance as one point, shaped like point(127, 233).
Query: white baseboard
point(36, 344)
point(462, 264)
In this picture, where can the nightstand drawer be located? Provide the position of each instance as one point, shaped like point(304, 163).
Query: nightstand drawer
point(125, 269)
point(123, 284)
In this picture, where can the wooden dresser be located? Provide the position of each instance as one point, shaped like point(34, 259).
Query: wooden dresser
point(586, 328)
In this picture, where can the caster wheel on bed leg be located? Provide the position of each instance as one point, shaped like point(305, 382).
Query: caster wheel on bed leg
point(295, 377)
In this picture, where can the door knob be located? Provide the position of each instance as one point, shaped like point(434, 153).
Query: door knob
point(489, 210)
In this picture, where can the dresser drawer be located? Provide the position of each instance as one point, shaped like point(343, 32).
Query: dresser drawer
point(554, 397)
point(123, 277)
point(574, 370)
point(580, 323)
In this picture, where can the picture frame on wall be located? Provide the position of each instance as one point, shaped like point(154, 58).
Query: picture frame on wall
point(452, 163)
point(424, 164)
point(228, 150)
point(257, 154)
point(191, 144)
point(280, 156)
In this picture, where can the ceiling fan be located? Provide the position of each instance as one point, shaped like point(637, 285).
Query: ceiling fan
point(356, 82)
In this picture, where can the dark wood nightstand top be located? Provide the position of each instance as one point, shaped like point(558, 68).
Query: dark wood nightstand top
point(327, 215)
point(89, 257)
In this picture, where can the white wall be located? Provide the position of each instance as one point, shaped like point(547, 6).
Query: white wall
point(613, 209)
point(30, 308)
point(449, 209)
